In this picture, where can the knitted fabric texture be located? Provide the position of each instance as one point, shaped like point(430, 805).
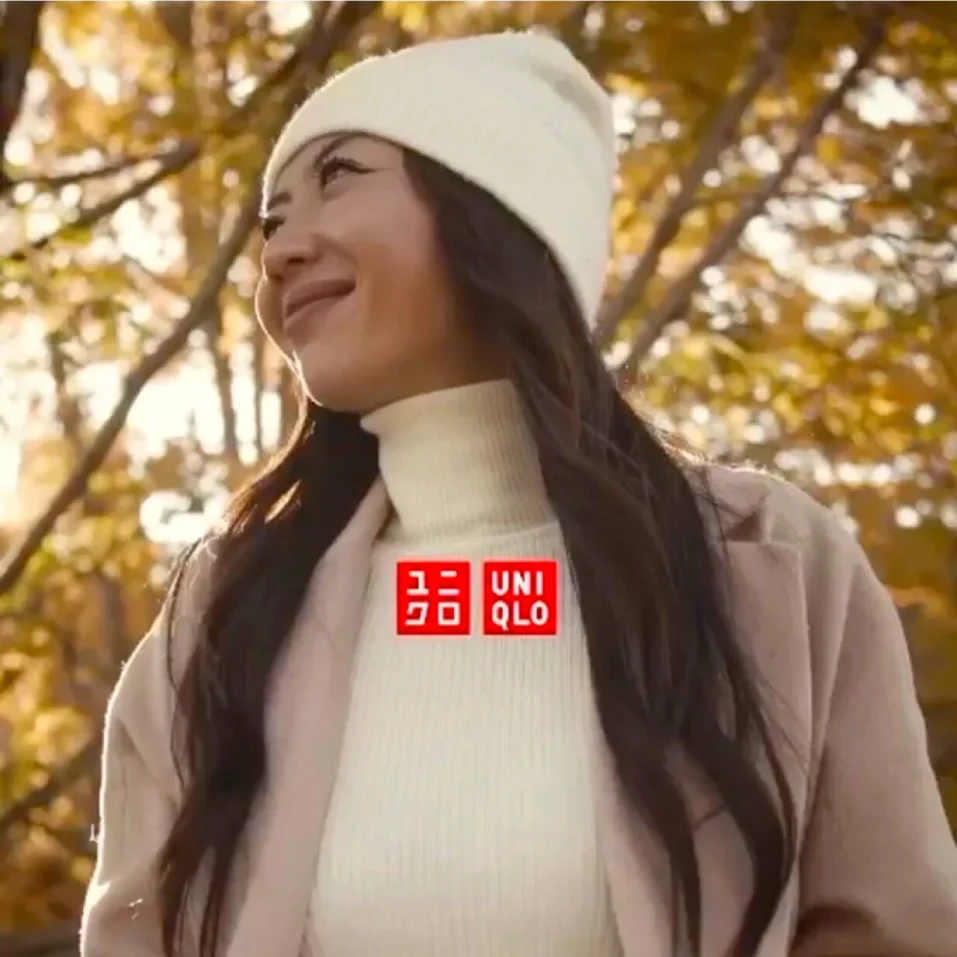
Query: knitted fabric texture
point(514, 113)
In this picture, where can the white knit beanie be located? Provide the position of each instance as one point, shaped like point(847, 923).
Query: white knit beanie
point(514, 113)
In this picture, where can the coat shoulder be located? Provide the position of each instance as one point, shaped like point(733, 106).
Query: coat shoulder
point(142, 702)
point(755, 505)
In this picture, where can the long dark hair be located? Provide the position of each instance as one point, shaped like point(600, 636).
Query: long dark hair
point(668, 675)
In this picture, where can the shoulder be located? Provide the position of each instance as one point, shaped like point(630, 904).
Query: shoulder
point(786, 549)
point(802, 590)
point(794, 564)
point(172, 638)
point(142, 704)
point(757, 506)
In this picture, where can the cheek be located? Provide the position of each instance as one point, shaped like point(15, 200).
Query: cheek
point(406, 299)
point(401, 261)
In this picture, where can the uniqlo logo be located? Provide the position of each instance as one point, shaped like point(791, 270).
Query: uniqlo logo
point(520, 598)
point(433, 598)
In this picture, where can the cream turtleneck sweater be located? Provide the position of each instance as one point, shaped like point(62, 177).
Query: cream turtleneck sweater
point(462, 823)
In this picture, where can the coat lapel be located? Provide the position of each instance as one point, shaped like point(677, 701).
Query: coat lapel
point(305, 723)
point(767, 606)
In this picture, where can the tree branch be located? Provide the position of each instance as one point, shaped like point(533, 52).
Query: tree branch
point(75, 486)
point(176, 160)
point(59, 180)
point(681, 291)
point(779, 33)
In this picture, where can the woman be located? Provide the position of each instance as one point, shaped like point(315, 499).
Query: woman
point(720, 751)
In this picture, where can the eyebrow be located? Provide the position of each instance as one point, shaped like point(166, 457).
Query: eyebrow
point(334, 144)
point(276, 199)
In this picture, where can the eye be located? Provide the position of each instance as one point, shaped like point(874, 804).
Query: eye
point(268, 225)
point(330, 168)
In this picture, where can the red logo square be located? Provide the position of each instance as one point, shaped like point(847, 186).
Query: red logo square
point(433, 598)
point(520, 598)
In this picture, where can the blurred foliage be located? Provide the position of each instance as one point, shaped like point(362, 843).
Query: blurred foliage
point(783, 261)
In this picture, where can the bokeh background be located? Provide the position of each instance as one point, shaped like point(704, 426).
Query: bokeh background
point(783, 290)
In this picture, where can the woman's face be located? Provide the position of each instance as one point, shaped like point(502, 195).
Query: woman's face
point(353, 288)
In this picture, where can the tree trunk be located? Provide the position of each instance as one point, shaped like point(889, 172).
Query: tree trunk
point(19, 35)
point(195, 77)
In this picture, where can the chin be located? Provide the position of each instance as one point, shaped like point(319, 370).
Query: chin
point(357, 388)
point(338, 393)
point(336, 400)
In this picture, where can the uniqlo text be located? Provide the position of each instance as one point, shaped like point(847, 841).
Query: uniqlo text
point(520, 598)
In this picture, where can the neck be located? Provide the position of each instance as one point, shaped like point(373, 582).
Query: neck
point(459, 463)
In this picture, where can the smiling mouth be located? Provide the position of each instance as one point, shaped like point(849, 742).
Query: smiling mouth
point(313, 308)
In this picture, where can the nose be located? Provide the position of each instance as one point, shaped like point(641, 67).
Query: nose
point(286, 252)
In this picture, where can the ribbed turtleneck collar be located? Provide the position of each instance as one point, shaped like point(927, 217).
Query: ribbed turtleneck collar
point(459, 463)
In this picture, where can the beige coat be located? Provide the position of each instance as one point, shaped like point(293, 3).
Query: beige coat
point(878, 864)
